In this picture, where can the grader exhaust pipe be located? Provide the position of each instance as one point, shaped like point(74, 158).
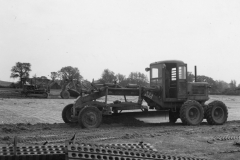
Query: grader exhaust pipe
point(195, 68)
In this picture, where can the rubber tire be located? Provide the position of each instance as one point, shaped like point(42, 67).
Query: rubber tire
point(45, 95)
point(173, 116)
point(185, 111)
point(210, 113)
point(66, 114)
point(93, 111)
point(65, 94)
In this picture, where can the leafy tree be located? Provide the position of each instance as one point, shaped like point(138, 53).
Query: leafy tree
point(191, 77)
point(20, 70)
point(210, 81)
point(138, 78)
point(221, 86)
point(70, 73)
point(107, 76)
point(121, 79)
point(54, 75)
point(233, 84)
point(43, 77)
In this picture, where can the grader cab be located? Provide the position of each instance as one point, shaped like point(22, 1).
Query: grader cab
point(168, 90)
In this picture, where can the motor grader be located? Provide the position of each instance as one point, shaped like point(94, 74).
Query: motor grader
point(168, 90)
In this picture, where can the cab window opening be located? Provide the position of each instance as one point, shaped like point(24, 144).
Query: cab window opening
point(154, 72)
point(156, 76)
point(182, 72)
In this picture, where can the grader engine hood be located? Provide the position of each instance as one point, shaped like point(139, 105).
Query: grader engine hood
point(198, 90)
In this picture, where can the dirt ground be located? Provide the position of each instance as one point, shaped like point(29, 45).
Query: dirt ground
point(37, 121)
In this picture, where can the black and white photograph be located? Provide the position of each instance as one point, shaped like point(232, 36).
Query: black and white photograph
point(119, 80)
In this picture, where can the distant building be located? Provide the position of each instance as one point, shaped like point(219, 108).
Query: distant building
point(5, 84)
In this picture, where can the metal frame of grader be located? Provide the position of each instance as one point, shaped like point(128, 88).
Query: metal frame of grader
point(169, 90)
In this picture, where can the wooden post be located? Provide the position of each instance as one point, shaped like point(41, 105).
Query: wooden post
point(15, 145)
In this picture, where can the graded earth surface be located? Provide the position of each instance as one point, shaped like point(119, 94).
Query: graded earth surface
point(37, 121)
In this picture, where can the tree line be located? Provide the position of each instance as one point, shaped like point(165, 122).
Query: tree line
point(217, 86)
point(22, 70)
point(133, 78)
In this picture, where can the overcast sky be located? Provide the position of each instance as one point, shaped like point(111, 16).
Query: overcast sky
point(123, 36)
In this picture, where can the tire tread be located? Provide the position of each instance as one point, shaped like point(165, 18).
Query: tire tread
point(209, 116)
point(184, 108)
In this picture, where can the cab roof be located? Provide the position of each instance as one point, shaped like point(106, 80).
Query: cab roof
point(168, 61)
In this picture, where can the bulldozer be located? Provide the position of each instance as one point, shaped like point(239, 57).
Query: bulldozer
point(169, 90)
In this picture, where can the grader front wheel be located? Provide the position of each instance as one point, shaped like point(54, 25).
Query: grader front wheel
point(67, 114)
point(191, 113)
point(216, 113)
point(90, 117)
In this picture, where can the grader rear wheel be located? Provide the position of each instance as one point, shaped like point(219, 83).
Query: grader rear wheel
point(90, 117)
point(67, 114)
point(216, 113)
point(191, 113)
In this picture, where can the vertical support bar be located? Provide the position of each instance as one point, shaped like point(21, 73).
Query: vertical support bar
point(74, 110)
point(125, 98)
point(106, 109)
point(140, 96)
point(163, 81)
point(15, 145)
point(106, 94)
point(66, 148)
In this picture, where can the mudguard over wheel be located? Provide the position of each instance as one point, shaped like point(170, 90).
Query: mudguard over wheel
point(191, 113)
point(73, 93)
point(90, 117)
point(216, 113)
point(66, 114)
point(173, 116)
point(65, 94)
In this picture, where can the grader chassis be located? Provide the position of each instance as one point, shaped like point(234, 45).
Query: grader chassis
point(169, 90)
